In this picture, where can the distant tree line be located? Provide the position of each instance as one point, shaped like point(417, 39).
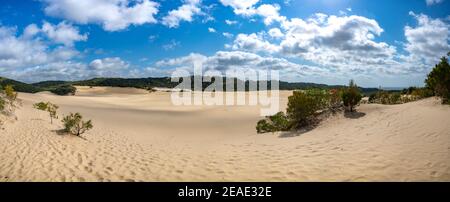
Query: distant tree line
point(66, 87)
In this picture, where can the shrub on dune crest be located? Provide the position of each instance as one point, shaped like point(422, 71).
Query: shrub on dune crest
point(351, 96)
point(303, 105)
point(75, 125)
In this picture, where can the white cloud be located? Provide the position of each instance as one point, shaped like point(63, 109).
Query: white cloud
point(29, 49)
point(254, 43)
point(247, 8)
point(432, 2)
point(31, 31)
point(62, 70)
point(182, 61)
point(241, 7)
point(345, 41)
point(70, 70)
point(212, 30)
point(230, 60)
point(62, 33)
point(428, 41)
point(270, 13)
point(113, 15)
point(227, 35)
point(47, 53)
point(112, 64)
point(231, 22)
point(276, 33)
point(108, 67)
point(182, 13)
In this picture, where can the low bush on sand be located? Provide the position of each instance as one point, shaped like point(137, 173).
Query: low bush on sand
point(277, 122)
point(8, 98)
point(75, 125)
point(306, 106)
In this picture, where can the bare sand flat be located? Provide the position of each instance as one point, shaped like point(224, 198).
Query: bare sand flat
point(140, 136)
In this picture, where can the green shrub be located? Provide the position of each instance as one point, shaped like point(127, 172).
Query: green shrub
point(438, 80)
point(75, 125)
point(64, 90)
point(277, 122)
point(335, 99)
point(422, 92)
point(263, 126)
point(280, 121)
point(395, 98)
point(321, 96)
point(303, 105)
point(10, 93)
point(351, 96)
point(49, 107)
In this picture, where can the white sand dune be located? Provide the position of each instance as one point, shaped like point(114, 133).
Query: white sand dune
point(141, 137)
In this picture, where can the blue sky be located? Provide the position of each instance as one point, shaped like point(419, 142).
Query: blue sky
point(377, 43)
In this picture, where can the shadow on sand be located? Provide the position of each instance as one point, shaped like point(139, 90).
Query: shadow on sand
point(62, 132)
point(296, 133)
point(354, 115)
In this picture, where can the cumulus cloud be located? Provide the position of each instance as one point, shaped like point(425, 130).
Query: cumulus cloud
point(62, 33)
point(45, 53)
point(231, 60)
point(276, 33)
point(428, 40)
point(432, 2)
point(71, 70)
point(109, 67)
point(30, 49)
point(113, 15)
point(61, 70)
point(183, 13)
point(241, 7)
point(212, 30)
point(248, 8)
point(270, 13)
point(110, 64)
point(254, 43)
point(340, 42)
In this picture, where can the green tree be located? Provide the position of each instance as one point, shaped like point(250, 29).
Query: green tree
point(75, 125)
point(438, 80)
point(351, 96)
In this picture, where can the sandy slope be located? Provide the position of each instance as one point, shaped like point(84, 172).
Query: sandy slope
point(142, 137)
